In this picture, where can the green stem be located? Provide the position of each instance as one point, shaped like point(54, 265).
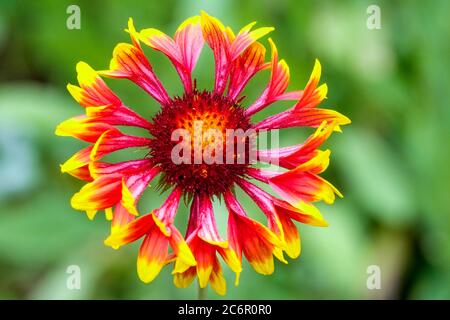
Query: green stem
point(202, 293)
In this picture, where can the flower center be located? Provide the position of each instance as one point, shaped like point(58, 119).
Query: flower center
point(202, 142)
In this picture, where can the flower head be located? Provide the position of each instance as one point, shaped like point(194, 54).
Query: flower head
point(201, 144)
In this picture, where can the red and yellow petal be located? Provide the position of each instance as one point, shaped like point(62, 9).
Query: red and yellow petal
point(245, 67)
point(114, 140)
point(130, 62)
point(303, 212)
point(99, 194)
point(217, 280)
point(121, 217)
point(184, 279)
point(293, 156)
point(189, 38)
point(279, 80)
point(98, 169)
point(116, 116)
point(245, 38)
point(291, 237)
point(78, 165)
point(313, 95)
point(207, 228)
point(183, 50)
point(214, 35)
point(152, 255)
point(233, 262)
point(308, 150)
point(205, 254)
point(92, 90)
point(304, 112)
point(308, 117)
point(131, 232)
point(251, 237)
point(160, 41)
point(128, 201)
point(314, 117)
point(82, 128)
point(303, 183)
point(184, 257)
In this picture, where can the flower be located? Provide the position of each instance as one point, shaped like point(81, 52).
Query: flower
point(186, 144)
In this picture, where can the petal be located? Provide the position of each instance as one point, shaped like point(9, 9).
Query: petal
point(217, 279)
point(100, 194)
point(183, 50)
point(166, 213)
point(245, 38)
point(265, 202)
point(184, 257)
point(226, 47)
point(108, 214)
point(116, 116)
point(128, 201)
point(316, 165)
point(92, 91)
point(114, 140)
point(77, 165)
point(256, 241)
point(233, 237)
point(231, 259)
point(98, 169)
point(121, 217)
point(261, 175)
point(207, 226)
point(160, 41)
point(309, 117)
point(214, 35)
point(205, 241)
point(189, 38)
point(315, 117)
point(279, 80)
point(245, 67)
point(194, 217)
point(312, 96)
point(101, 104)
point(304, 112)
point(126, 211)
point(152, 255)
point(291, 157)
point(81, 173)
point(205, 254)
point(133, 186)
point(134, 35)
point(82, 128)
point(292, 95)
point(303, 212)
point(303, 184)
point(184, 279)
point(240, 216)
point(130, 62)
point(255, 247)
point(131, 231)
point(291, 237)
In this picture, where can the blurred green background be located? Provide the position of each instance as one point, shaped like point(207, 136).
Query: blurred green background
point(392, 163)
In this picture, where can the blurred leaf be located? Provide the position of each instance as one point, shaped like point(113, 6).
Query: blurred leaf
point(375, 176)
point(43, 225)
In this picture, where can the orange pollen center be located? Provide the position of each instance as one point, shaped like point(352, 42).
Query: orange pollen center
point(193, 143)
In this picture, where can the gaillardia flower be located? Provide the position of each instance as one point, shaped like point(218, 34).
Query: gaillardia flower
point(193, 145)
